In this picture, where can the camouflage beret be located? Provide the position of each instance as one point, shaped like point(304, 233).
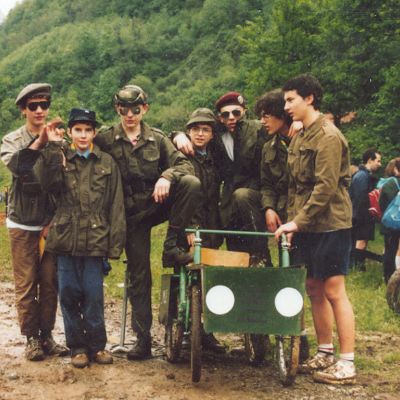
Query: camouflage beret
point(33, 89)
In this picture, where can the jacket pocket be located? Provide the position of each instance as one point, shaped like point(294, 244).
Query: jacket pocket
point(98, 235)
point(306, 164)
point(100, 179)
point(60, 238)
point(150, 166)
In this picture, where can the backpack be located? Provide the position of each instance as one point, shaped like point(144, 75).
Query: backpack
point(373, 196)
point(374, 207)
point(391, 216)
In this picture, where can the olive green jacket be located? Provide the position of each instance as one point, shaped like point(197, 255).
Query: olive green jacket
point(275, 176)
point(28, 203)
point(89, 218)
point(319, 178)
point(207, 214)
point(141, 166)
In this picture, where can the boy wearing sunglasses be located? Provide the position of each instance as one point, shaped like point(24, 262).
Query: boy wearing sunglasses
point(158, 185)
point(28, 214)
point(237, 148)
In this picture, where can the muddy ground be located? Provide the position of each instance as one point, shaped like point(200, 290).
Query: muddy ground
point(223, 376)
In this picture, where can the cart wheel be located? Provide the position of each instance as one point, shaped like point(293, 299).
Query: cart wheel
point(287, 355)
point(255, 347)
point(173, 336)
point(304, 349)
point(195, 357)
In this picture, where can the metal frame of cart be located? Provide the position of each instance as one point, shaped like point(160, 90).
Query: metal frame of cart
point(252, 301)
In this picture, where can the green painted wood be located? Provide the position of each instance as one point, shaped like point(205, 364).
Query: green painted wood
point(254, 290)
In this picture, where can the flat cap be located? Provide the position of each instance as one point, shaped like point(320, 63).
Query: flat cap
point(33, 89)
point(201, 115)
point(82, 115)
point(230, 98)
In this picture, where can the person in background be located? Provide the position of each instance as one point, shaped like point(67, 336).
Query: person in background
point(159, 185)
point(29, 210)
point(391, 258)
point(87, 228)
point(363, 222)
point(319, 227)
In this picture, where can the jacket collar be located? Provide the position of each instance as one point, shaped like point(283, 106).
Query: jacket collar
point(96, 152)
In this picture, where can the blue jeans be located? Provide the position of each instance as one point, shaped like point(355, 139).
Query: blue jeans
point(80, 281)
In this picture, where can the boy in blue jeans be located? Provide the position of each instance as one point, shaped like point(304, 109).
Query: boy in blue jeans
point(88, 226)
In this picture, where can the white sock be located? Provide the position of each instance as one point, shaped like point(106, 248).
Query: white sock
point(346, 358)
point(325, 349)
point(397, 262)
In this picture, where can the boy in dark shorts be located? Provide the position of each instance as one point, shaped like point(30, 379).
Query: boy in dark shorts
point(319, 227)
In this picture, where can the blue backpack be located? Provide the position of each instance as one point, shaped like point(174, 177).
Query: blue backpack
point(391, 216)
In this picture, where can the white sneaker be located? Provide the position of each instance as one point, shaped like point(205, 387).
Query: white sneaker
point(341, 373)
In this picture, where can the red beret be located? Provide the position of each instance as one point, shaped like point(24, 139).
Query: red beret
point(230, 98)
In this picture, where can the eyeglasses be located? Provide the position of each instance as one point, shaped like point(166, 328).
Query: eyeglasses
point(44, 105)
point(197, 129)
point(236, 113)
point(125, 109)
point(266, 116)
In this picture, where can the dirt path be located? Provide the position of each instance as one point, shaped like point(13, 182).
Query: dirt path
point(224, 377)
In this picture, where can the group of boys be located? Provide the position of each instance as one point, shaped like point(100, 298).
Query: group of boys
point(296, 186)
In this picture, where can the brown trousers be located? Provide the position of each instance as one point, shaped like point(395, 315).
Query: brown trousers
point(35, 283)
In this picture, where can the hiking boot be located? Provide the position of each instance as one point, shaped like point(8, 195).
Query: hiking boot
point(103, 357)
point(316, 363)
point(209, 342)
point(51, 348)
point(33, 349)
point(141, 350)
point(80, 360)
point(176, 256)
point(340, 373)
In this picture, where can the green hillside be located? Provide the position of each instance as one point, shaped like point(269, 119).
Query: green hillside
point(187, 53)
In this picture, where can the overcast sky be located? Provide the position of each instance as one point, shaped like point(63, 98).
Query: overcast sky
point(7, 5)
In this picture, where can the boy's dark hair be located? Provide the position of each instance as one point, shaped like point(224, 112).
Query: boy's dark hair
point(306, 85)
point(273, 103)
point(369, 154)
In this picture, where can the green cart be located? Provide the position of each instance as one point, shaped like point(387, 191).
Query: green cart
point(257, 302)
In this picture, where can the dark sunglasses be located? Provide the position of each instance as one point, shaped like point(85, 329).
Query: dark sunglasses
point(226, 114)
point(125, 109)
point(44, 105)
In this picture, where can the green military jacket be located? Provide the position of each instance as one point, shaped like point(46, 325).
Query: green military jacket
point(89, 218)
point(244, 171)
point(141, 166)
point(319, 178)
point(275, 176)
point(28, 203)
point(207, 214)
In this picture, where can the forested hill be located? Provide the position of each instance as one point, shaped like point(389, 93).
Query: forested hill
point(187, 53)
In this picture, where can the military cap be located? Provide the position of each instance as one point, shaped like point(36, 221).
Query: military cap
point(77, 115)
point(131, 94)
point(33, 90)
point(201, 115)
point(230, 98)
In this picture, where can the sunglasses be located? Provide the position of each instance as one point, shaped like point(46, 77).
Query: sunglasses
point(44, 105)
point(125, 109)
point(235, 113)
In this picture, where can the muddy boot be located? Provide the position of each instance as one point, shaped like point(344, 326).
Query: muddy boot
point(33, 349)
point(142, 348)
point(50, 347)
point(173, 255)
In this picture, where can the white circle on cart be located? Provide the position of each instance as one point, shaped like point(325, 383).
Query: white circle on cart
point(220, 299)
point(289, 302)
